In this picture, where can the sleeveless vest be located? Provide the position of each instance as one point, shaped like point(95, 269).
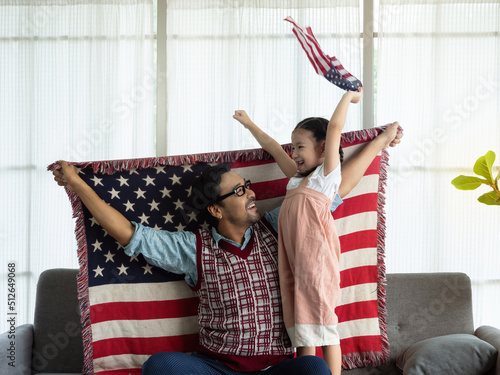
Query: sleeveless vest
point(240, 314)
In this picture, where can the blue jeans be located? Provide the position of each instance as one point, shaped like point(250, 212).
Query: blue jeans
point(174, 363)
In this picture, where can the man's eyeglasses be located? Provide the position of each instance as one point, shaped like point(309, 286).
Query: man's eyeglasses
point(239, 190)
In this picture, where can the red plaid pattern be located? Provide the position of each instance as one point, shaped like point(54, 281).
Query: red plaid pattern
point(240, 304)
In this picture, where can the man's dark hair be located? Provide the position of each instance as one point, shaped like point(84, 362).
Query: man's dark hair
point(206, 190)
point(317, 126)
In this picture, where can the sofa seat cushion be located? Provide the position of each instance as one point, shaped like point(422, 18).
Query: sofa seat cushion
point(458, 354)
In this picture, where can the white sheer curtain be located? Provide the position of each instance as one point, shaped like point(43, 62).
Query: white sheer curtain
point(228, 55)
point(77, 82)
point(439, 75)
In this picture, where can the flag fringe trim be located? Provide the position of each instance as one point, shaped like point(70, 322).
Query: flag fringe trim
point(382, 275)
point(112, 166)
point(360, 360)
point(82, 282)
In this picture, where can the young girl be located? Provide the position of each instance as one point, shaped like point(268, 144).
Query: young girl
point(309, 250)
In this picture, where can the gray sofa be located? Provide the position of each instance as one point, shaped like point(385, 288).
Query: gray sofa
point(429, 324)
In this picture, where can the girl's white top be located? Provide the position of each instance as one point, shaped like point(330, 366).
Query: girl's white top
point(328, 185)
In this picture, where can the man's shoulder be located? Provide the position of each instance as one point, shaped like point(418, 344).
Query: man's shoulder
point(265, 224)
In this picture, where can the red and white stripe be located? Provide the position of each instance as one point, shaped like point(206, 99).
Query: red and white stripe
point(132, 321)
point(357, 224)
point(319, 60)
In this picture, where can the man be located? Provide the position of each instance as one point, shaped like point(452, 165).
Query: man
point(232, 267)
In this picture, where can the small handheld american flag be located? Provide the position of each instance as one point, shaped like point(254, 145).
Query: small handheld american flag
point(326, 66)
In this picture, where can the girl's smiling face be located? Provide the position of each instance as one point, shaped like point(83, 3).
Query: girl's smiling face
point(307, 152)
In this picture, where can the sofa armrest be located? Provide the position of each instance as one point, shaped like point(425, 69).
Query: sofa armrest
point(492, 336)
point(16, 347)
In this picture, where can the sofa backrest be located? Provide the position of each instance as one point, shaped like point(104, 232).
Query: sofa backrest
point(57, 339)
point(419, 306)
point(425, 305)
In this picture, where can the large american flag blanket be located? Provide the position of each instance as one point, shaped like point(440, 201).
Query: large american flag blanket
point(130, 309)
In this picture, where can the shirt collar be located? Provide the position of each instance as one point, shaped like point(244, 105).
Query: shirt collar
point(248, 235)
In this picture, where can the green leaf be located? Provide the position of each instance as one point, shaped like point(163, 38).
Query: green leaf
point(490, 198)
point(483, 166)
point(467, 182)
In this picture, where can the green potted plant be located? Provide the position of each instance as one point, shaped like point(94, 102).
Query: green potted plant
point(482, 167)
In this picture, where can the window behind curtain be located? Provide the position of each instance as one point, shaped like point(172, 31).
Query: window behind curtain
point(77, 83)
point(439, 75)
point(436, 72)
point(223, 56)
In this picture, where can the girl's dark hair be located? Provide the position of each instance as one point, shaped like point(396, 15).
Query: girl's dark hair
point(317, 126)
point(206, 190)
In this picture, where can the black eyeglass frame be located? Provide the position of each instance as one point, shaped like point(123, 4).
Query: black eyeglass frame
point(238, 191)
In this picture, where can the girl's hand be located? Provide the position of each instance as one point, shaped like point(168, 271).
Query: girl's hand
point(396, 134)
point(356, 95)
point(243, 118)
point(391, 136)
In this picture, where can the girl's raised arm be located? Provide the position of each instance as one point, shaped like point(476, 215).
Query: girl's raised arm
point(335, 127)
point(286, 164)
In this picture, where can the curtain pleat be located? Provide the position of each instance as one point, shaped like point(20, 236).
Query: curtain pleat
point(227, 57)
point(439, 75)
point(77, 82)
